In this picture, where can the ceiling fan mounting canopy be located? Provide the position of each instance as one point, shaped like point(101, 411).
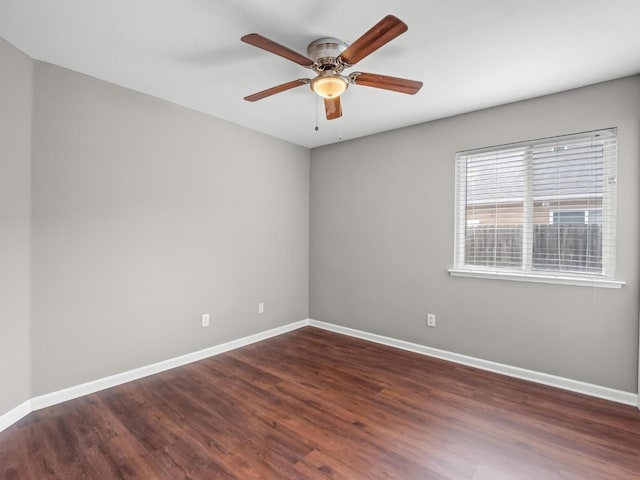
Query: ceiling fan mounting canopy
point(325, 53)
point(328, 57)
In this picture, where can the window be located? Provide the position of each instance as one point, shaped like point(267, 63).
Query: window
point(540, 209)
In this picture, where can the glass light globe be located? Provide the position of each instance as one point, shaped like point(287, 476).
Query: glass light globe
point(329, 86)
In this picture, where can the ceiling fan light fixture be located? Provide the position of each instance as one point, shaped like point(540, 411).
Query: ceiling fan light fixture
point(329, 86)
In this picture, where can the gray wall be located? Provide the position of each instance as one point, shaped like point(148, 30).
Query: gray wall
point(145, 216)
point(382, 227)
point(15, 160)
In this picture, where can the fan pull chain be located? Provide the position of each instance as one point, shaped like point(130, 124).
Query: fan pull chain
point(317, 100)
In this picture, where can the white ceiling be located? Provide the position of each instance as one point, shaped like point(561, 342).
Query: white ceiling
point(470, 54)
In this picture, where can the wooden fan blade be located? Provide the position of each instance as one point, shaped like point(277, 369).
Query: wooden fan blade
point(333, 108)
point(277, 89)
point(396, 84)
point(270, 46)
point(380, 34)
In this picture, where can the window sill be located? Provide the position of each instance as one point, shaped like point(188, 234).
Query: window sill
point(524, 277)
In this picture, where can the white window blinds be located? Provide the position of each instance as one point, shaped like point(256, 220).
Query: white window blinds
point(539, 207)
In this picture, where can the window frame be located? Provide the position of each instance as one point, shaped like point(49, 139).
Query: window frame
point(527, 273)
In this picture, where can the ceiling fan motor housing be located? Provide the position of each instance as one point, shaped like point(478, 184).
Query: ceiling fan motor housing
point(324, 51)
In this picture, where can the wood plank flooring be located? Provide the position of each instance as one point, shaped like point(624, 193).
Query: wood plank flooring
point(312, 404)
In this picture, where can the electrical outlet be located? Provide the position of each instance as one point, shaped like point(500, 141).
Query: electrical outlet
point(431, 320)
point(205, 319)
point(261, 307)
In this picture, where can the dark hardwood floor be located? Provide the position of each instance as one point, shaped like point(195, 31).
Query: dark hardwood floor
point(312, 404)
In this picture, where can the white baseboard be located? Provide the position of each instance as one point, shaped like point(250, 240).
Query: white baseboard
point(598, 391)
point(53, 398)
point(15, 414)
point(60, 396)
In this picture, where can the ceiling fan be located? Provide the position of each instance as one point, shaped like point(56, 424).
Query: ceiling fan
point(329, 57)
